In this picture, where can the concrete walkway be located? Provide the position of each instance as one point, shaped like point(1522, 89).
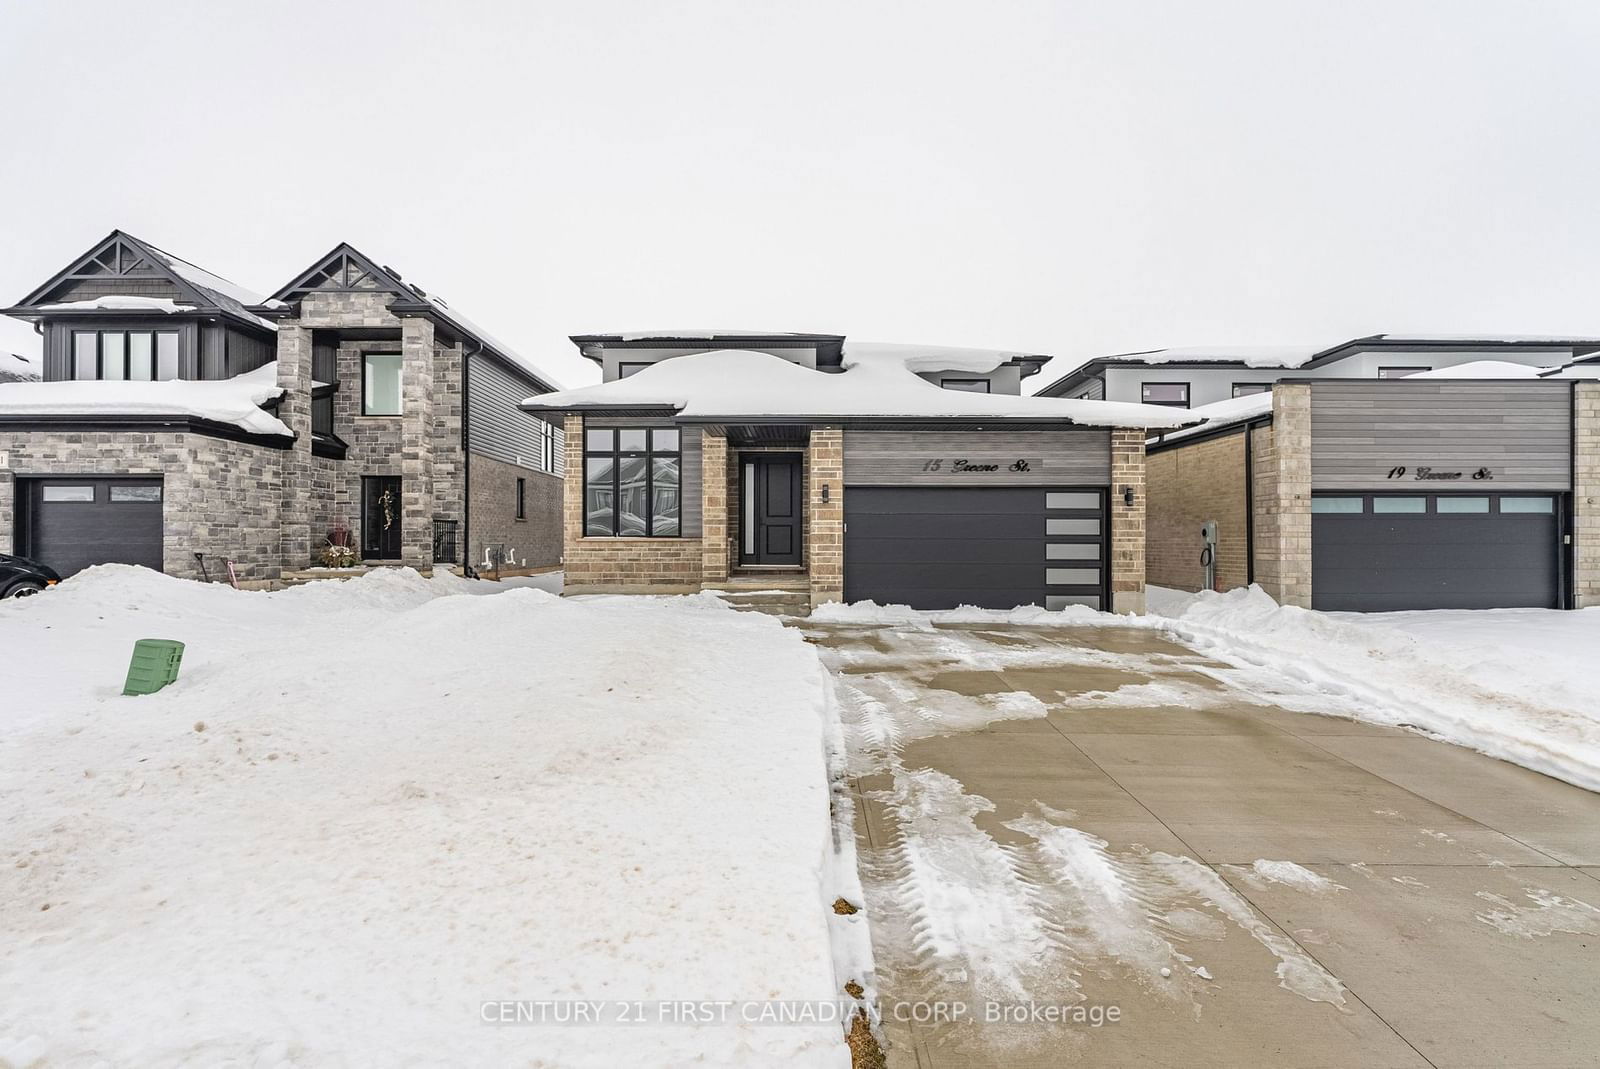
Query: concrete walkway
point(1440, 911)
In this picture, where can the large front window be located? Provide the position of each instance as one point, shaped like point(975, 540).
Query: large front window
point(632, 485)
point(380, 392)
point(117, 355)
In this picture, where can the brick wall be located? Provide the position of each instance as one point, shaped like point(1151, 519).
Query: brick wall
point(1127, 522)
point(220, 498)
point(1586, 495)
point(534, 541)
point(1189, 485)
point(825, 530)
point(715, 499)
point(619, 565)
point(1283, 500)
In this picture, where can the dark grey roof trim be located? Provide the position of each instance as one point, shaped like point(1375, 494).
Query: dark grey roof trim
point(145, 422)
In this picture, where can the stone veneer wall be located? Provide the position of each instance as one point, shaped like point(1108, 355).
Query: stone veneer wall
point(1586, 495)
point(535, 541)
point(1127, 522)
point(1283, 500)
point(825, 529)
point(221, 498)
point(716, 496)
point(620, 565)
point(1189, 485)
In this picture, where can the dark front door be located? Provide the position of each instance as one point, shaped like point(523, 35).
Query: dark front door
point(78, 523)
point(771, 504)
point(380, 517)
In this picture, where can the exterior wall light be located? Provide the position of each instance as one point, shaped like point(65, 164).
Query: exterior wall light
point(824, 492)
point(1127, 496)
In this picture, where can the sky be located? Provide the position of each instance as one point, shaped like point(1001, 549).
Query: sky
point(1061, 177)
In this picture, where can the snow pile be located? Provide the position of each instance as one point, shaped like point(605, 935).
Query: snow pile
point(1517, 684)
point(1484, 369)
point(871, 614)
point(236, 401)
point(1280, 356)
point(877, 381)
point(1224, 413)
point(121, 303)
point(368, 808)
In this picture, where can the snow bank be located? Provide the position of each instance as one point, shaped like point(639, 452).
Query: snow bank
point(871, 614)
point(368, 808)
point(877, 381)
point(1517, 684)
point(236, 401)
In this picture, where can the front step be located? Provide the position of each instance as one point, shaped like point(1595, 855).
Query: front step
point(774, 601)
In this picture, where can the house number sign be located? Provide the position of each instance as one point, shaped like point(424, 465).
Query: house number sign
point(964, 466)
point(1424, 474)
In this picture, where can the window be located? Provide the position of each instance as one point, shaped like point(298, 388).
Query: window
point(115, 355)
point(1250, 389)
point(1399, 372)
point(126, 494)
point(522, 499)
point(66, 493)
point(547, 446)
point(632, 368)
point(965, 385)
point(1337, 505)
point(632, 482)
point(1461, 504)
point(380, 384)
point(1170, 394)
point(1392, 505)
point(1543, 505)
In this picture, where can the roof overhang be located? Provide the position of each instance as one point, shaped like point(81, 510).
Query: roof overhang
point(143, 422)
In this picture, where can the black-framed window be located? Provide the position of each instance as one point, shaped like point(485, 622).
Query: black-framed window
point(632, 367)
point(1250, 389)
point(632, 482)
point(965, 385)
point(381, 381)
point(1400, 372)
point(522, 499)
point(1168, 394)
point(123, 355)
point(547, 446)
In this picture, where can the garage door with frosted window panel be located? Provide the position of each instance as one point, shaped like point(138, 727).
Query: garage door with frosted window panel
point(937, 547)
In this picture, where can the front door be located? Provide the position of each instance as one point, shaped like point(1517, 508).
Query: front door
point(380, 517)
point(771, 509)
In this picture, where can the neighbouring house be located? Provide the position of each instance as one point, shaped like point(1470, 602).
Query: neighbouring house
point(838, 470)
point(1472, 486)
point(192, 426)
point(1192, 377)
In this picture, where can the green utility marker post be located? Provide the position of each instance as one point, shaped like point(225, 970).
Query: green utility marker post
point(154, 665)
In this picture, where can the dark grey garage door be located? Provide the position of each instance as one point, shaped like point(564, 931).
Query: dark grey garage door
point(937, 547)
point(75, 523)
point(1387, 552)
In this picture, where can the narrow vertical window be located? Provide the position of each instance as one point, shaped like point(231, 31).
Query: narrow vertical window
point(166, 356)
point(522, 499)
point(85, 355)
point(113, 355)
point(141, 357)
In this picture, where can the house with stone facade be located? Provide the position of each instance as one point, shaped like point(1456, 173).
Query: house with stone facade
point(190, 425)
point(834, 470)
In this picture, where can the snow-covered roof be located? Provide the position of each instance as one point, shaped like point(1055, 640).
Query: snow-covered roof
point(1484, 369)
point(229, 296)
point(235, 401)
point(121, 303)
point(1224, 414)
point(17, 368)
point(703, 334)
point(489, 340)
point(876, 380)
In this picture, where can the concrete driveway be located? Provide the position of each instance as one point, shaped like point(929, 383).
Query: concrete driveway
point(1100, 819)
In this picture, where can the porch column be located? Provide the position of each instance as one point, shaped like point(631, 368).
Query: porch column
point(1127, 521)
point(825, 529)
point(416, 442)
point(713, 507)
point(1586, 495)
point(295, 541)
point(1283, 499)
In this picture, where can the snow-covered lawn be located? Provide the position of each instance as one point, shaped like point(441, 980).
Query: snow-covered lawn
point(1519, 684)
point(368, 808)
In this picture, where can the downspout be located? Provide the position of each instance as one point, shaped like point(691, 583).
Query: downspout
point(466, 460)
point(1249, 506)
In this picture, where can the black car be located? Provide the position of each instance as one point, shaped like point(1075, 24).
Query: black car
point(20, 576)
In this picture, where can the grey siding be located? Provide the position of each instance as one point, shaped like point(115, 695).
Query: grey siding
point(1070, 456)
point(496, 426)
point(247, 352)
point(1520, 431)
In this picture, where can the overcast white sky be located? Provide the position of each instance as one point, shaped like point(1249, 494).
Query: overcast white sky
point(1063, 177)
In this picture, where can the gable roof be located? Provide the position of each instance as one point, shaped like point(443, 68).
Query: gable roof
point(346, 269)
point(121, 255)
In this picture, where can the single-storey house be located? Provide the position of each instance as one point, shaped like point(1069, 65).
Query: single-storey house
point(915, 475)
point(1467, 487)
point(190, 425)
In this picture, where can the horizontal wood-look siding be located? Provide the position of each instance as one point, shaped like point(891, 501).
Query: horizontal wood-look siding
point(1520, 431)
point(247, 352)
point(496, 426)
point(1070, 456)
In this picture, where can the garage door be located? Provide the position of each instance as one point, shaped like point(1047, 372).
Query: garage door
point(994, 547)
point(76, 523)
point(1386, 552)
